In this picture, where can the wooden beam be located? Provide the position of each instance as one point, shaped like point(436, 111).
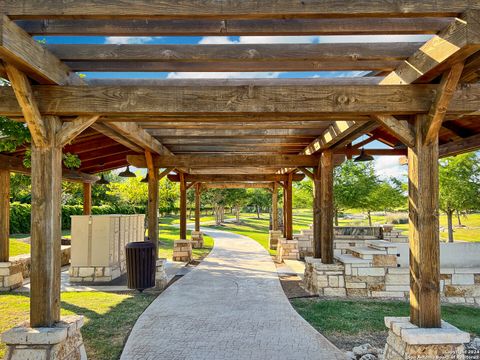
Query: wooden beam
point(70, 130)
point(198, 191)
point(15, 165)
point(424, 240)
point(107, 131)
point(199, 161)
point(307, 172)
point(87, 198)
point(137, 135)
point(20, 50)
point(275, 206)
point(4, 215)
point(46, 229)
point(183, 207)
point(374, 152)
point(189, 27)
point(317, 214)
point(468, 144)
point(23, 93)
point(398, 128)
point(442, 100)
point(165, 173)
point(455, 43)
point(235, 178)
point(237, 185)
point(289, 208)
point(248, 9)
point(187, 133)
point(326, 206)
point(321, 99)
point(153, 202)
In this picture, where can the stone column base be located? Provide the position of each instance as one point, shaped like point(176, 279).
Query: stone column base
point(79, 274)
point(182, 250)
point(287, 249)
point(273, 237)
point(161, 279)
point(408, 341)
point(63, 341)
point(197, 239)
point(11, 276)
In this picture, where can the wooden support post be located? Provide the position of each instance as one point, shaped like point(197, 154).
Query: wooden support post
point(423, 229)
point(153, 231)
point(183, 208)
point(288, 209)
point(326, 206)
point(316, 215)
point(4, 215)
point(46, 228)
point(197, 205)
point(87, 198)
point(284, 193)
point(275, 207)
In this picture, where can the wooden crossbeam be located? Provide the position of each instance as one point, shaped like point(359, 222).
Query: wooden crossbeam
point(70, 130)
point(234, 125)
point(28, 105)
point(187, 133)
point(230, 9)
point(234, 57)
point(234, 177)
point(399, 128)
point(455, 43)
point(188, 27)
point(239, 185)
point(307, 172)
point(467, 144)
point(442, 100)
point(322, 99)
point(200, 161)
point(19, 49)
point(15, 165)
point(105, 130)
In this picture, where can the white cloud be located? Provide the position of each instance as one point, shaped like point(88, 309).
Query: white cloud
point(389, 166)
point(372, 38)
point(222, 75)
point(121, 40)
point(216, 40)
point(278, 39)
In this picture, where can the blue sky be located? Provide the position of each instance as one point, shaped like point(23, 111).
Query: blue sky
point(386, 166)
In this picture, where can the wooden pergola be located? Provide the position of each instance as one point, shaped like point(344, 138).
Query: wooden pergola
point(420, 99)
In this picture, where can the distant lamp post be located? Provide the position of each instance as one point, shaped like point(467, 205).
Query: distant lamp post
point(127, 173)
point(103, 181)
point(363, 157)
point(145, 179)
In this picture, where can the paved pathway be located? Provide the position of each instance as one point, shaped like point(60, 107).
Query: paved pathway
point(230, 307)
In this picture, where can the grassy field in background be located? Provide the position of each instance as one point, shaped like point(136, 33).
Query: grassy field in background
point(109, 318)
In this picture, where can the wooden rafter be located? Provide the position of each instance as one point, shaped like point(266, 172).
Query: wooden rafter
point(231, 9)
point(468, 144)
point(235, 177)
point(442, 100)
point(399, 128)
point(70, 130)
point(239, 185)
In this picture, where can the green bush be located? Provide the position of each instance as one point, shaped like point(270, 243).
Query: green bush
point(20, 214)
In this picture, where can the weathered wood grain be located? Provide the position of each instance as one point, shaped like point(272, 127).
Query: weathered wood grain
point(288, 210)
point(462, 146)
point(198, 192)
point(423, 189)
point(317, 213)
point(399, 128)
point(87, 198)
point(275, 206)
point(70, 130)
point(4, 215)
point(183, 207)
point(326, 206)
point(230, 9)
point(235, 177)
point(107, 131)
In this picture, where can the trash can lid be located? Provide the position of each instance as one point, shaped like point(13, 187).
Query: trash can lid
point(140, 245)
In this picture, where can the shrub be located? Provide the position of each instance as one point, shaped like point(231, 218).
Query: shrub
point(397, 218)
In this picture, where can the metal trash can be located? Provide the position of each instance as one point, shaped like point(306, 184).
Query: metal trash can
point(140, 265)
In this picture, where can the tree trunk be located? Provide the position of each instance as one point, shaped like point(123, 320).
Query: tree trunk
point(336, 217)
point(459, 218)
point(258, 212)
point(450, 225)
point(369, 218)
point(237, 213)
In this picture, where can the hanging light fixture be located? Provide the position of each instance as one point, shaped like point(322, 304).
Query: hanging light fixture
point(127, 173)
point(145, 179)
point(103, 181)
point(363, 157)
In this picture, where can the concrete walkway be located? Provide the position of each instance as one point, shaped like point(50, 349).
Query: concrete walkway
point(231, 306)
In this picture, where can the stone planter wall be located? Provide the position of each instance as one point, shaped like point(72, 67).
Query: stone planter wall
point(182, 250)
point(287, 249)
point(273, 237)
point(161, 279)
point(197, 239)
point(372, 271)
point(13, 273)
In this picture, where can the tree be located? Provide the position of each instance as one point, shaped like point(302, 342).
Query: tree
point(259, 198)
point(353, 184)
point(130, 190)
point(459, 186)
point(303, 193)
point(236, 199)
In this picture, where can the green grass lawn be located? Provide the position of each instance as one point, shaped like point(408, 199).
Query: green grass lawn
point(109, 318)
point(360, 319)
point(18, 248)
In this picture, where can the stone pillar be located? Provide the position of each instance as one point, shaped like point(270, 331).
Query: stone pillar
point(182, 250)
point(161, 279)
point(4, 215)
point(408, 341)
point(61, 341)
point(46, 229)
point(87, 199)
